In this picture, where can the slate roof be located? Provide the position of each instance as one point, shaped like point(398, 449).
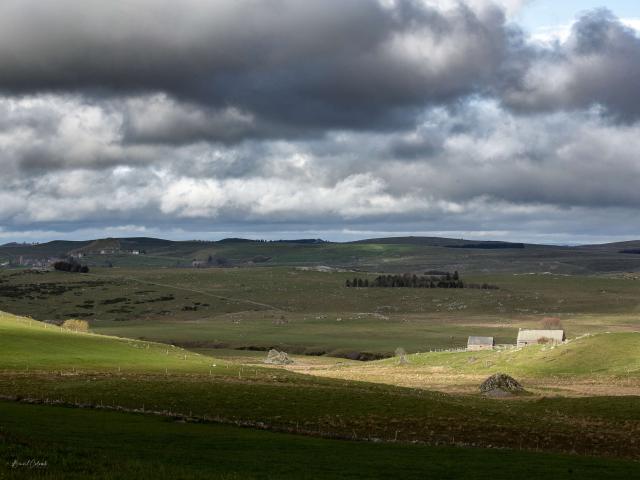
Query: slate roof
point(532, 336)
point(480, 341)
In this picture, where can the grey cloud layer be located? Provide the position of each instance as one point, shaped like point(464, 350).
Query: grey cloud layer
point(318, 63)
point(599, 64)
point(322, 63)
point(255, 114)
point(459, 161)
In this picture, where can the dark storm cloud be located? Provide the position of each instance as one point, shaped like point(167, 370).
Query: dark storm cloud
point(229, 70)
point(424, 145)
point(159, 119)
point(321, 63)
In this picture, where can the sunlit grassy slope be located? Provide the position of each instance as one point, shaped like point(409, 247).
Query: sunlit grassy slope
point(31, 345)
point(602, 354)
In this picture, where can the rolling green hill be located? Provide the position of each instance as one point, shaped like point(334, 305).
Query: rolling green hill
point(29, 345)
point(395, 254)
point(616, 354)
point(54, 248)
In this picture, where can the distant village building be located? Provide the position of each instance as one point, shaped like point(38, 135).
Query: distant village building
point(475, 344)
point(22, 261)
point(535, 337)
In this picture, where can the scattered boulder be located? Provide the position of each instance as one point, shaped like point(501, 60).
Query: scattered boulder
point(500, 385)
point(274, 357)
point(280, 320)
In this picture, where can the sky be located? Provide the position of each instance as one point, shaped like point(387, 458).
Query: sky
point(552, 13)
point(483, 119)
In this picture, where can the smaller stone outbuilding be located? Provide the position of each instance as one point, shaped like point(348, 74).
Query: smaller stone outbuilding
point(475, 344)
point(536, 337)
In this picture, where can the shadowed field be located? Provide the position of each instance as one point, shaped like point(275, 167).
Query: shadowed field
point(136, 446)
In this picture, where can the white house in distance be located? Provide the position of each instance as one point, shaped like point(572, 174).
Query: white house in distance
point(535, 337)
point(475, 344)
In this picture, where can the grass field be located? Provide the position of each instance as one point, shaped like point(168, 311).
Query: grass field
point(136, 446)
point(174, 364)
point(596, 365)
point(280, 400)
point(308, 311)
point(613, 354)
point(29, 345)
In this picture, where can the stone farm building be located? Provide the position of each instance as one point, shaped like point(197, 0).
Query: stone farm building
point(534, 337)
point(475, 344)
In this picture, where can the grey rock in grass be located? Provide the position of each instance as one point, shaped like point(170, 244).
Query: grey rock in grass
point(500, 384)
point(274, 357)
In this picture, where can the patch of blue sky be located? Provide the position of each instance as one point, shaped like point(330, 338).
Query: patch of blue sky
point(547, 20)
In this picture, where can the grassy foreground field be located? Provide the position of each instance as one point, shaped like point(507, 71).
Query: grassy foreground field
point(64, 443)
point(283, 401)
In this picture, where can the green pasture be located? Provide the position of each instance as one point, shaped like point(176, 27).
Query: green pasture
point(606, 354)
point(308, 311)
point(31, 346)
point(137, 446)
point(81, 369)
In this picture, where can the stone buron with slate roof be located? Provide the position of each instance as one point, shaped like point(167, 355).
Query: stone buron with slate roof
point(535, 337)
point(475, 344)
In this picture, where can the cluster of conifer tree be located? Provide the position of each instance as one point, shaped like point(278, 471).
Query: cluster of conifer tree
point(407, 280)
point(71, 266)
